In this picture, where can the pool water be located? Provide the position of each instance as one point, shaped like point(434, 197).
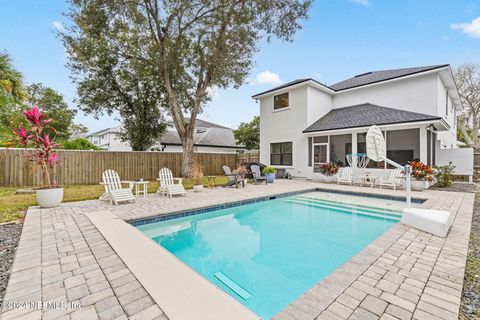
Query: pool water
point(269, 253)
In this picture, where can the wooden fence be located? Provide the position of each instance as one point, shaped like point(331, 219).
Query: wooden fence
point(86, 167)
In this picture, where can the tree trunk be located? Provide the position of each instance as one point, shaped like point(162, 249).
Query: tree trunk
point(187, 160)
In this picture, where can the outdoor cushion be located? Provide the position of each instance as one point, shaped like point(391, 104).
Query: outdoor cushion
point(432, 221)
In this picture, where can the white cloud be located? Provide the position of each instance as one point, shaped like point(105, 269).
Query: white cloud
point(469, 28)
point(363, 2)
point(268, 77)
point(57, 25)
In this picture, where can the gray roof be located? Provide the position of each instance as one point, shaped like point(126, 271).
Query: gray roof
point(206, 134)
point(382, 75)
point(365, 115)
point(362, 79)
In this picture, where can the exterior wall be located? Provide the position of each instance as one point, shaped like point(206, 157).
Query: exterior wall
point(286, 126)
point(319, 104)
point(417, 94)
point(461, 158)
point(448, 139)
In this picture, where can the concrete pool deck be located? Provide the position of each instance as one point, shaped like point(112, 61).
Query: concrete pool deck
point(65, 262)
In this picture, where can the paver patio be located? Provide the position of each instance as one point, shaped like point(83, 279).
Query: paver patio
point(64, 261)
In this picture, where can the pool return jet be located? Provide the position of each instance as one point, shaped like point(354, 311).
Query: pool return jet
point(433, 221)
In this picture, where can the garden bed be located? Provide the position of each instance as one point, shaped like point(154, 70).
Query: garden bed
point(9, 236)
point(470, 307)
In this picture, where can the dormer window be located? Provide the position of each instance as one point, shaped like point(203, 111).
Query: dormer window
point(280, 101)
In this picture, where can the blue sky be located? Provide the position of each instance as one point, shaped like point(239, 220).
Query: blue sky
point(342, 38)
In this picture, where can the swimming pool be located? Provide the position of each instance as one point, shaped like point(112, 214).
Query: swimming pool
point(268, 253)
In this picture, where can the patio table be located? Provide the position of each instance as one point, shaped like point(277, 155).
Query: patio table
point(368, 178)
point(141, 187)
point(211, 182)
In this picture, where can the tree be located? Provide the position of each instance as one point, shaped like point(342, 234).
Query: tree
point(12, 94)
point(77, 131)
point(248, 134)
point(107, 63)
point(78, 144)
point(467, 78)
point(187, 46)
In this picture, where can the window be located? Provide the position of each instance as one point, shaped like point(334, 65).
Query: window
point(320, 155)
point(280, 101)
point(281, 153)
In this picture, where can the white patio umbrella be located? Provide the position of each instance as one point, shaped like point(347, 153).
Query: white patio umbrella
point(377, 151)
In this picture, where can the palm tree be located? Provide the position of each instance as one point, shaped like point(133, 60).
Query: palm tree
point(11, 87)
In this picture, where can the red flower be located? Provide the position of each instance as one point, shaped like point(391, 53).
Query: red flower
point(36, 117)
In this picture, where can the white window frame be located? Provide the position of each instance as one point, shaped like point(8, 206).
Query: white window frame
point(327, 144)
point(281, 109)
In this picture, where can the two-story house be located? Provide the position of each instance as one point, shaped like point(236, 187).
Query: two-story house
point(305, 123)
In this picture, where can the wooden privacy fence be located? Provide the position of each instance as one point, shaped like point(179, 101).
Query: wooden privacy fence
point(86, 167)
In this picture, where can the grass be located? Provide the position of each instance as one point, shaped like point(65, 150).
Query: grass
point(13, 207)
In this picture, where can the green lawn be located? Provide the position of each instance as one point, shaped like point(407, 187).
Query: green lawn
point(13, 207)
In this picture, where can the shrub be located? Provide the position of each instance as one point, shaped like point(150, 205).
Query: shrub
point(328, 169)
point(444, 175)
point(196, 173)
point(78, 144)
point(267, 170)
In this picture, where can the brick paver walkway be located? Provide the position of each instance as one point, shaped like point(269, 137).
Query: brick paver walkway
point(63, 261)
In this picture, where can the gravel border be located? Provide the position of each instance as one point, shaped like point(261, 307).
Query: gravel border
point(459, 187)
point(470, 305)
point(9, 237)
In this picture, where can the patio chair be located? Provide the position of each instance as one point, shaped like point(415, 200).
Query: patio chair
point(114, 192)
point(392, 179)
point(167, 184)
point(345, 175)
point(257, 175)
point(233, 178)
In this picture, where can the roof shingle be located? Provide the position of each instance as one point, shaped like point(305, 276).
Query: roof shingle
point(365, 115)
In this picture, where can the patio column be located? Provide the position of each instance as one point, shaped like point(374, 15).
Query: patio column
point(354, 149)
point(423, 144)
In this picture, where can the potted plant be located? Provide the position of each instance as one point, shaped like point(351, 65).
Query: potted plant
point(328, 171)
point(269, 174)
point(44, 156)
point(196, 173)
point(422, 175)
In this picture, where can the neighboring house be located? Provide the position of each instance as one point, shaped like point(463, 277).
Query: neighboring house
point(305, 123)
point(209, 138)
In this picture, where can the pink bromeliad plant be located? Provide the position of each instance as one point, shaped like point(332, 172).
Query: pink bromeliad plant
point(44, 155)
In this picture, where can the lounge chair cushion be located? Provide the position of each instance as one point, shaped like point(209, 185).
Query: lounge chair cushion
point(432, 221)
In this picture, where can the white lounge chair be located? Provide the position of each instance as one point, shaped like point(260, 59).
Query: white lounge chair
point(345, 175)
point(167, 184)
point(392, 180)
point(114, 192)
point(257, 175)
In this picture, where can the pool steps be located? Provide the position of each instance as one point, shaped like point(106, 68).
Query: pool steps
point(349, 209)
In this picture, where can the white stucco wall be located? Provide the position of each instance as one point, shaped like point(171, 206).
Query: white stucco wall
point(415, 94)
point(461, 158)
point(284, 126)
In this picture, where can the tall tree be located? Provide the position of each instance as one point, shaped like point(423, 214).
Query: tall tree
point(108, 63)
point(12, 94)
point(248, 134)
point(188, 46)
point(53, 104)
point(467, 78)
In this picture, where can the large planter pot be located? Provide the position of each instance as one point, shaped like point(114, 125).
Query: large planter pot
point(328, 179)
point(418, 185)
point(270, 177)
point(198, 188)
point(49, 198)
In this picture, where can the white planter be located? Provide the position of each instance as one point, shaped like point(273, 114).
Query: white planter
point(49, 198)
point(198, 188)
point(418, 185)
point(328, 179)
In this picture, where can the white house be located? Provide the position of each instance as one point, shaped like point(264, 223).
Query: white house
point(416, 108)
point(208, 138)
